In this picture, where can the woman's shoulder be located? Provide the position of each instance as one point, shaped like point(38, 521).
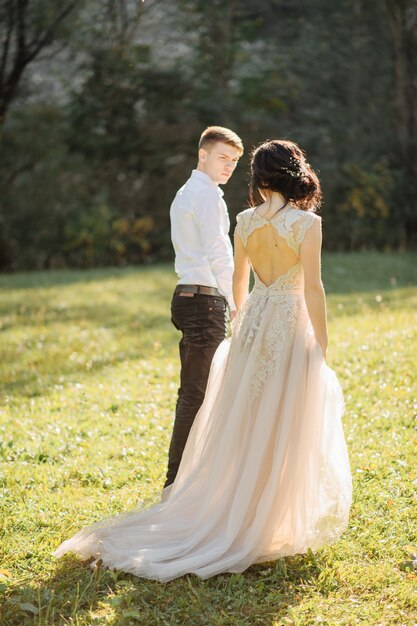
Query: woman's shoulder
point(309, 217)
point(245, 214)
point(311, 214)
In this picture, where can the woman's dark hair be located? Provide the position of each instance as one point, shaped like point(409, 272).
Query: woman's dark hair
point(280, 165)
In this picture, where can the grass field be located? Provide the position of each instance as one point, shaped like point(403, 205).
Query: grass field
point(89, 373)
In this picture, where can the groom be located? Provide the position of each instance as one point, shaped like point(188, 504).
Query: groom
point(204, 264)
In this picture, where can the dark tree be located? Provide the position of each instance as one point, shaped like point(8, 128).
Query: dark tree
point(27, 27)
point(403, 22)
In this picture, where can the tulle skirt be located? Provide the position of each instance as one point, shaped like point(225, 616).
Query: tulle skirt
point(265, 472)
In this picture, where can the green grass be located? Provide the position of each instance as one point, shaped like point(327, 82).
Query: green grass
point(89, 373)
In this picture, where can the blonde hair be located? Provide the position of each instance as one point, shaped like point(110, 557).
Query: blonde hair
point(213, 134)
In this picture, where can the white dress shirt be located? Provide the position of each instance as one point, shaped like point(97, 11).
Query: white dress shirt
point(199, 230)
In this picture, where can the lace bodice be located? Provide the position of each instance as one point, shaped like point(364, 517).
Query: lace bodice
point(292, 225)
point(269, 316)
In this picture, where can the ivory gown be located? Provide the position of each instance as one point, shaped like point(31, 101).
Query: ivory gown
point(265, 472)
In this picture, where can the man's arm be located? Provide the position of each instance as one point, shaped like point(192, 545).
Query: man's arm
point(216, 244)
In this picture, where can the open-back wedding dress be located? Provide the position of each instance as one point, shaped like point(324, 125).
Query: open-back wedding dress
point(265, 472)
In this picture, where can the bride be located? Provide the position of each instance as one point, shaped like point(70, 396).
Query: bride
point(265, 472)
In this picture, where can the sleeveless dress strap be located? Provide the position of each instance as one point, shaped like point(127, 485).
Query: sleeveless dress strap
point(310, 218)
point(243, 226)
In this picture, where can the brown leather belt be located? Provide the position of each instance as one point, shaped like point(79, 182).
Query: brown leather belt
point(198, 289)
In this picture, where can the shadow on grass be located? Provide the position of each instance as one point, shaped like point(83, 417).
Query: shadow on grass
point(46, 279)
point(361, 272)
point(118, 336)
point(75, 594)
point(117, 333)
point(342, 272)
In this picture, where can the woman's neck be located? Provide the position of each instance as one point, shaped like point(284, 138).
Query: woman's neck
point(276, 201)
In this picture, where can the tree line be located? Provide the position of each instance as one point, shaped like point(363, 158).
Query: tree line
point(102, 104)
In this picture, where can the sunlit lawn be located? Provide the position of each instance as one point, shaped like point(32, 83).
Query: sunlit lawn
point(89, 373)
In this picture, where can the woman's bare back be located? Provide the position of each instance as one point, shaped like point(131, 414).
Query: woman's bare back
point(269, 252)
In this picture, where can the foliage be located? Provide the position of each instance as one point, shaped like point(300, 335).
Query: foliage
point(370, 208)
point(103, 147)
point(60, 215)
point(89, 374)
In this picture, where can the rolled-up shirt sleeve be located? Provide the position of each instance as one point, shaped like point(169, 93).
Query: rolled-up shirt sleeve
point(212, 221)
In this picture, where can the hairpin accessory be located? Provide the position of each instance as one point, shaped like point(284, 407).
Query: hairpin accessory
point(297, 169)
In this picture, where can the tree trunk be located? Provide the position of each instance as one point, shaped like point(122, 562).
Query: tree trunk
point(411, 87)
point(21, 41)
point(403, 22)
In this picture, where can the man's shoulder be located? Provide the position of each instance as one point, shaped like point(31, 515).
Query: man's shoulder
point(196, 201)
point(184, 194)
point(206, 192)
point(204, 198)
point(194, 187)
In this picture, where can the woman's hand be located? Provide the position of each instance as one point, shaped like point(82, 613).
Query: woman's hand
point(323, 346)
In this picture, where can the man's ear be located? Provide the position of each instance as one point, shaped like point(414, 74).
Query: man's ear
point(202, 155)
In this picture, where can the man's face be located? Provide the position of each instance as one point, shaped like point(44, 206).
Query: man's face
point(218, 161)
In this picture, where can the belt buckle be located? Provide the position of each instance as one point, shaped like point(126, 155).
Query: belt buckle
point(187, 294)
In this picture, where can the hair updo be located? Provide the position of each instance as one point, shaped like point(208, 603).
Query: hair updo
point(281, 166)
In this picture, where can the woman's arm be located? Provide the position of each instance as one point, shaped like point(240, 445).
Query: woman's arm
point(310, 256)
point(241, 272)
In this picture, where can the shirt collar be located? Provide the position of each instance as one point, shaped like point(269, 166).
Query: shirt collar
point(201, 176)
